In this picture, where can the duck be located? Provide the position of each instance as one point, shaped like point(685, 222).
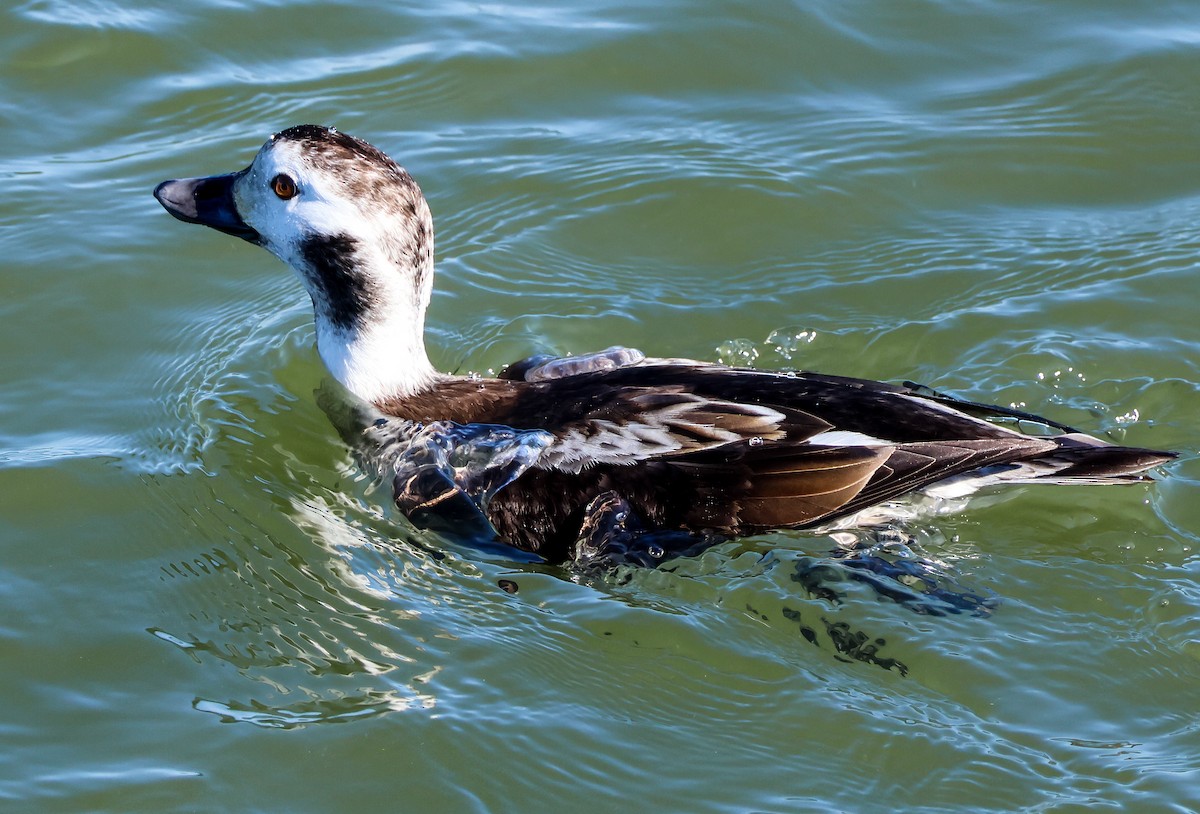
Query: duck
point(586, 452)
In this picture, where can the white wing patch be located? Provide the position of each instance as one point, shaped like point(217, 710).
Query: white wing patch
point(662, 423)
point(847, 438)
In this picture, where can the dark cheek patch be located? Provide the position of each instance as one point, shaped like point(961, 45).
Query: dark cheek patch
point(343, 295)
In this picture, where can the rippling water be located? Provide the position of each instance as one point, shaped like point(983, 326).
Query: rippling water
point(997, 199)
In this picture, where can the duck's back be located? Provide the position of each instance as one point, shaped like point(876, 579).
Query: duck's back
point(706, 448)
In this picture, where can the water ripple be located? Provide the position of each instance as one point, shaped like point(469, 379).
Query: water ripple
point(995, 199)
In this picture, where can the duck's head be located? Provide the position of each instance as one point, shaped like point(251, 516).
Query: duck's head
point(355, 227)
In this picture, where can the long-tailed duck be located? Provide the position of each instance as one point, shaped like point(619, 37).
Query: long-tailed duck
point(613, 440)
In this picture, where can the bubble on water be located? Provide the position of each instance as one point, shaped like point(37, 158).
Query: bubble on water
point(787, 342)
point(656, 551)
point(737, 353)
point(756, 441)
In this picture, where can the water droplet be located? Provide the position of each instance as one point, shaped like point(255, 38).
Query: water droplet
point(756, 441)
point(656, 551)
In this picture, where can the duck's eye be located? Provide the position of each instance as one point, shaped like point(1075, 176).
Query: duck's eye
point(283, 186)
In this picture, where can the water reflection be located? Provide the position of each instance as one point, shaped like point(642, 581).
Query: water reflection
point(323, 623)
point(340, 710)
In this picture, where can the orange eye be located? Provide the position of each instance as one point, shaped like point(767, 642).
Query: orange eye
point(284, 187)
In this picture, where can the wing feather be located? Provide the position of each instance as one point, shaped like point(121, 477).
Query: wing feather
point(917, 465)
point(638, 424)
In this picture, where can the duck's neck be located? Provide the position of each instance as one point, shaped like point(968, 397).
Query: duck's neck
point(379, 361)
point(369, 307)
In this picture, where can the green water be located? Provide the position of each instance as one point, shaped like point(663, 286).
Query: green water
point(205, 606)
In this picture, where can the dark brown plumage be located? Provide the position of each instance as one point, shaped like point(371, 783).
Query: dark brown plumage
point(771, 476)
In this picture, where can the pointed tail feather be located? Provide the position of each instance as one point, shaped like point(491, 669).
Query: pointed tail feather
point(1082, 458)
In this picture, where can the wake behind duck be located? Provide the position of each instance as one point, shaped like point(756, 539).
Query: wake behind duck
point(563, 458)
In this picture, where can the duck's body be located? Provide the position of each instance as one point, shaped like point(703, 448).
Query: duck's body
point(683, 446)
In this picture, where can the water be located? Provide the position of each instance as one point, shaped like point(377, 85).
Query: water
point(205, 605)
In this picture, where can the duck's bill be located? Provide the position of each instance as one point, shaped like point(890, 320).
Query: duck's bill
point(207, 201)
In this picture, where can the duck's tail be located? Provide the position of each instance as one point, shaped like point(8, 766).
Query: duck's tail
point(1081, 458)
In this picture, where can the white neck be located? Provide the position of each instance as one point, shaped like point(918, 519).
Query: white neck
point(383, 360)
point(383, 355)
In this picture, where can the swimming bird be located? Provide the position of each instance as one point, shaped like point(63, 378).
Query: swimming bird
point(612, 443)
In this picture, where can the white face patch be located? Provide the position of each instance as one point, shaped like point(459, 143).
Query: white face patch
point(316, 207)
